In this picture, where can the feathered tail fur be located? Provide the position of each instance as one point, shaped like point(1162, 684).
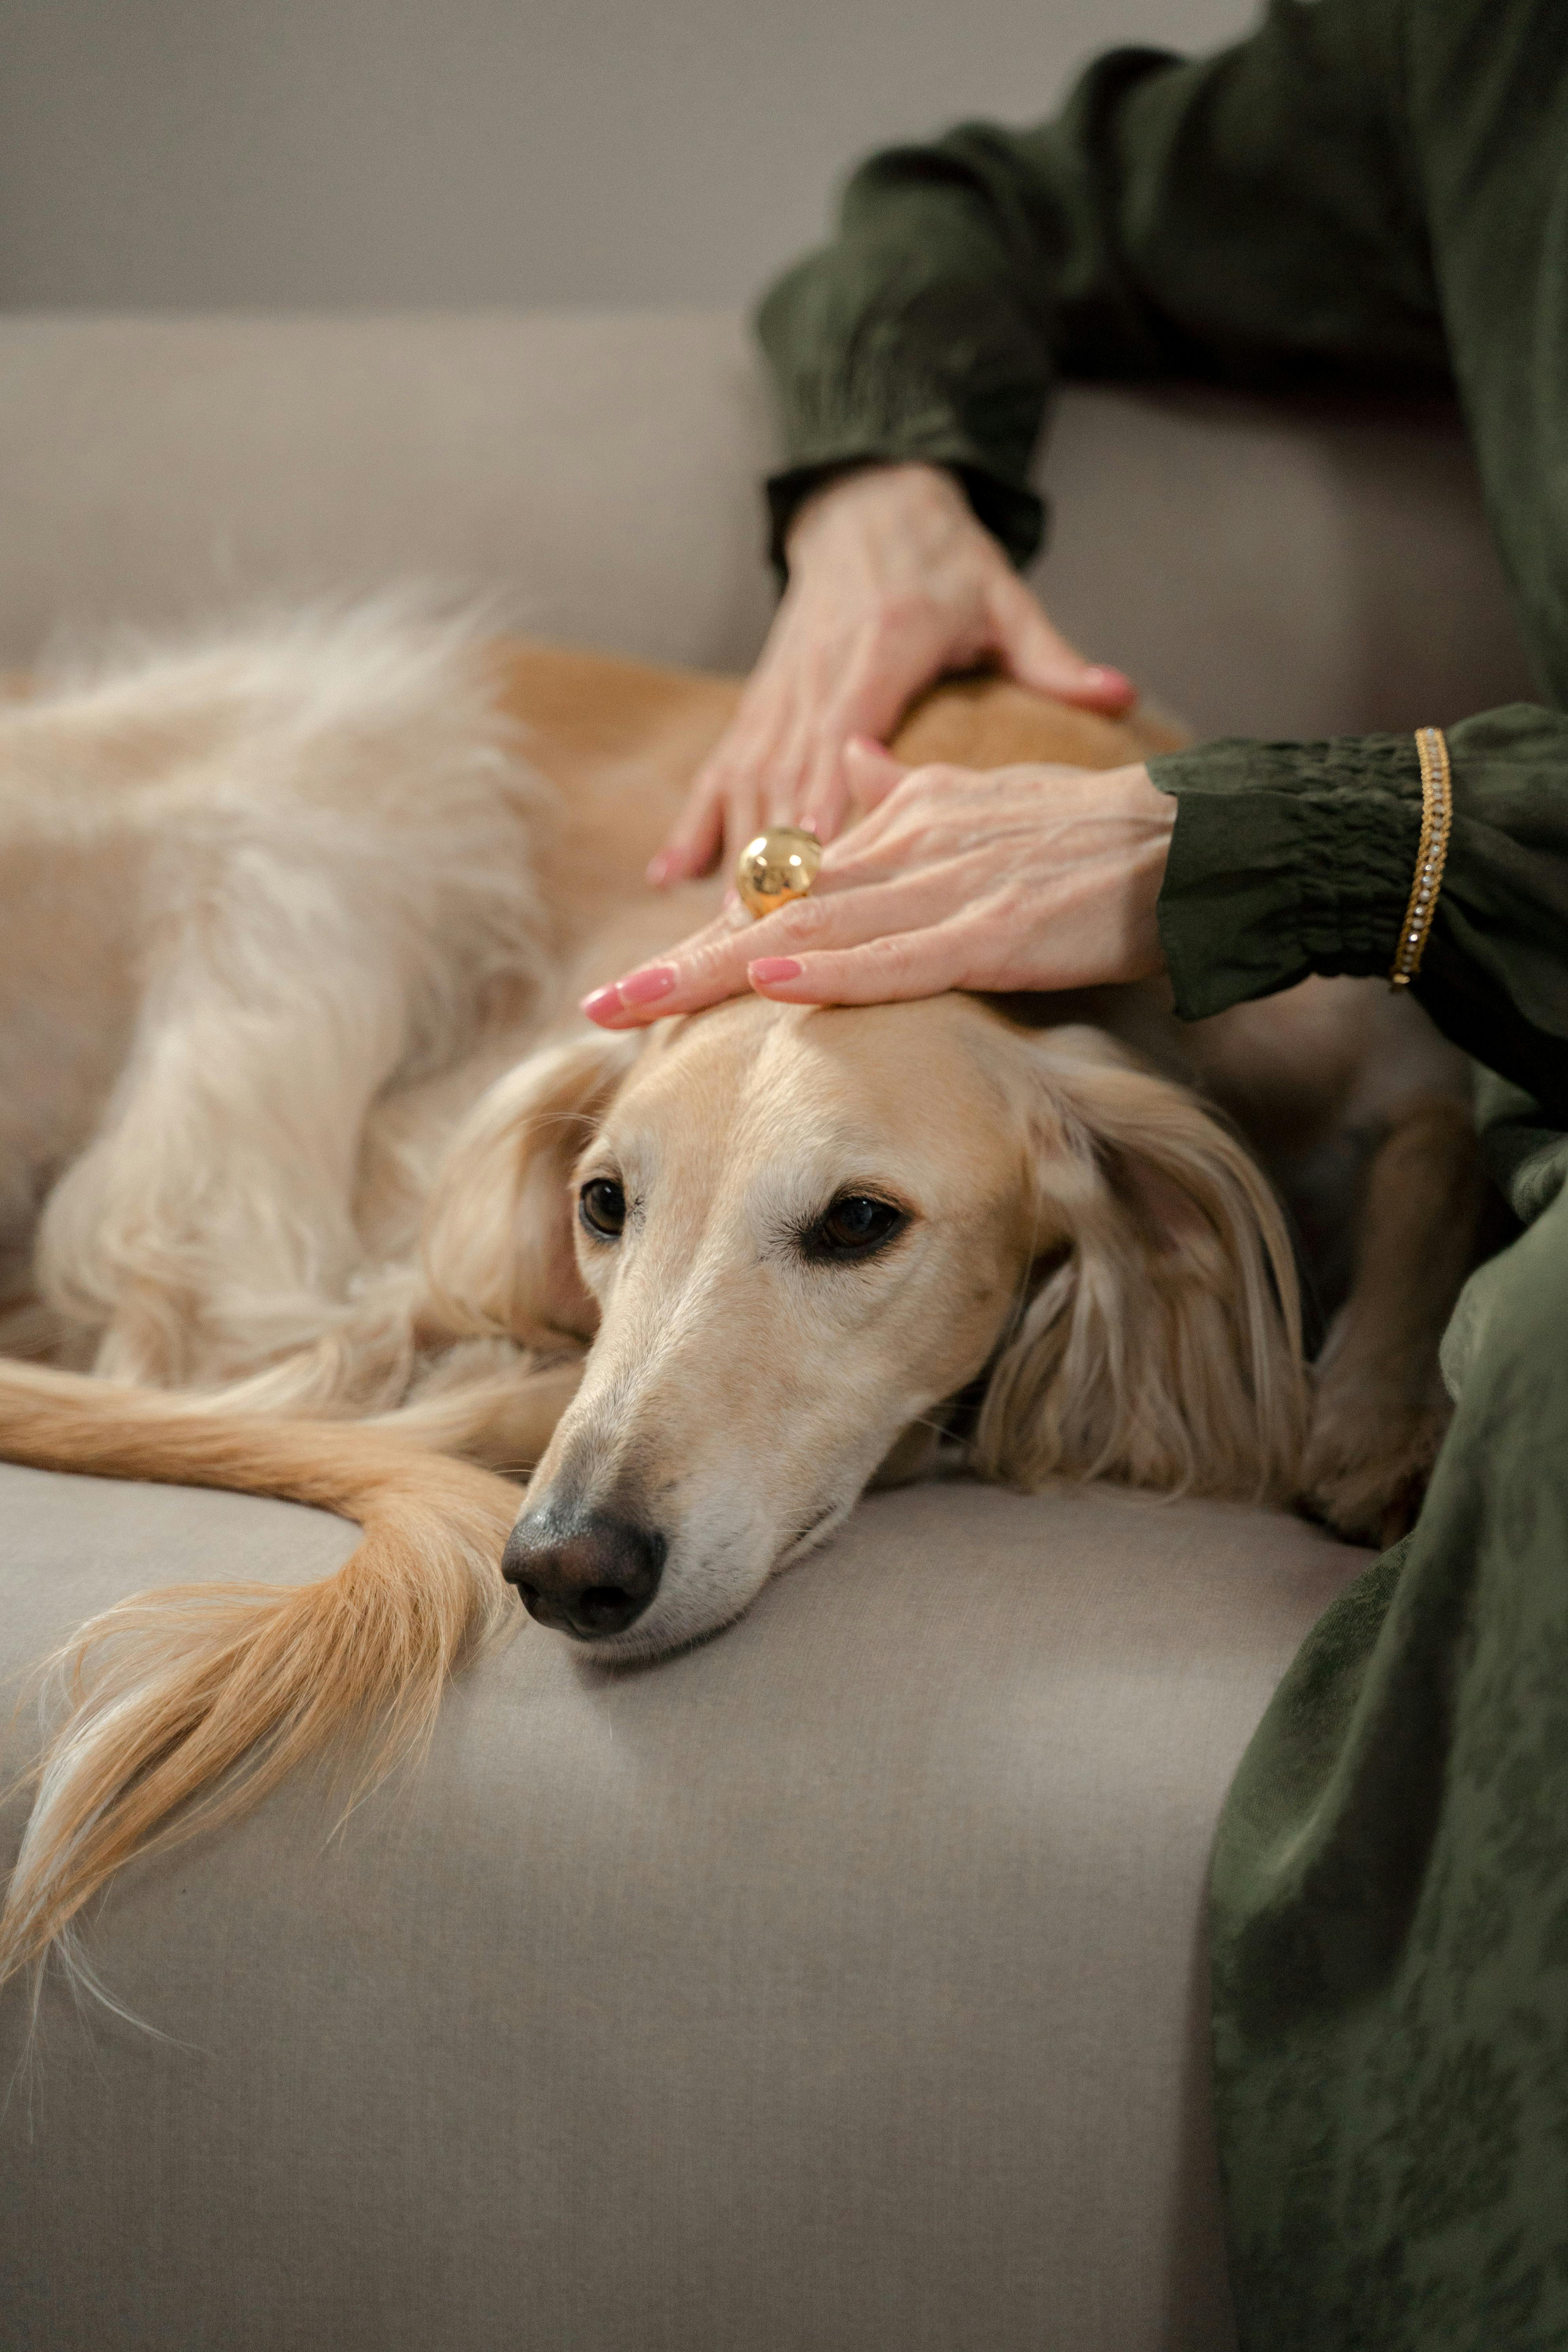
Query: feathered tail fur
point(182, 1708)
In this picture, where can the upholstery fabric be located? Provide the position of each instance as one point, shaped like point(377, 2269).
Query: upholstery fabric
point(1262, 571)
point(835, 1985)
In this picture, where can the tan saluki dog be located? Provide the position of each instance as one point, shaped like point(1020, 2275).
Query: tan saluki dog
point(311, 1176)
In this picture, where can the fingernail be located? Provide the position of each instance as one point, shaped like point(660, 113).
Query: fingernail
point(769, 969)
point(869, 744)
point(1107, 681)
point(646, 987)
point(660, 869)
point(603, 1004)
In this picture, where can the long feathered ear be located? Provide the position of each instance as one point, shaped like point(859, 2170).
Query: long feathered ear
point(1163, 1345)
point(497, 1249)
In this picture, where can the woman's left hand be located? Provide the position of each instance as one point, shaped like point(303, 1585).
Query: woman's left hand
point(1030, 878)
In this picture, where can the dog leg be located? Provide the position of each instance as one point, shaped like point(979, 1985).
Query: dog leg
point(324, 837)
point(1381, 1409)
point(490, 1402)
point(208, 1229)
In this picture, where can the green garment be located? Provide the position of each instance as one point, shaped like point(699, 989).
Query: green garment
point(1389, 1921)
point(1365, 192)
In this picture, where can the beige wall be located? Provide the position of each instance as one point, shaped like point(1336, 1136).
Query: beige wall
point(259, 153)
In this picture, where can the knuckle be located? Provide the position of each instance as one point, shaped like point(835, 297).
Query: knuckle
point(890, 646)
point(900, 610)
point(806, 920)
point(925, 784)
point(889, 955)
point(706, 794)
point(717, 965)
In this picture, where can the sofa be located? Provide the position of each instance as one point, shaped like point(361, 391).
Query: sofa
point(839, 1985)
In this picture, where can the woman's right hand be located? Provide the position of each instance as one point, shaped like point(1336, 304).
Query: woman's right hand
point(892, 584)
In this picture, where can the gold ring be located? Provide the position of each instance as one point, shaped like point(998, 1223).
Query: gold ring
point(779, 865)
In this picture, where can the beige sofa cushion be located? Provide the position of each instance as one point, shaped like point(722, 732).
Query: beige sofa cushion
point(1264, 571)
point(833, 1987)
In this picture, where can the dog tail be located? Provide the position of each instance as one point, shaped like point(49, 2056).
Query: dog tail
point(179, 1708)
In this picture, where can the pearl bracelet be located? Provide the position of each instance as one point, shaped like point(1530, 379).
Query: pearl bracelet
point(1437, 814)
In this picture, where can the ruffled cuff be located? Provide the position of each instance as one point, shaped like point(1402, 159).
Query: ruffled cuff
point(1286, 859)
point(895, 349)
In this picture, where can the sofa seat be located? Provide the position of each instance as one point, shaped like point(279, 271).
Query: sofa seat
point(835, 1987)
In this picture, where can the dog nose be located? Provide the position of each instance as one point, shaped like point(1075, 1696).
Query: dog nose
point(584, 1573)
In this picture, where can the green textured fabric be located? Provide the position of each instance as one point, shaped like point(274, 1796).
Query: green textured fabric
point(1390, 1906)
point(1363, 192)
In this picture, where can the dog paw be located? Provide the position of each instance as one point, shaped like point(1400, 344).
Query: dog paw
point(1364, 1474)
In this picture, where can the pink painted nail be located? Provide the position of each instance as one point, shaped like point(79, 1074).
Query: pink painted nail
point(769, 969)
point(603, 1004)
point(646, 987)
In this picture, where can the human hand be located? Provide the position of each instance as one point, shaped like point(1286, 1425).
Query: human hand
point(892, 584)
point(1033, 878)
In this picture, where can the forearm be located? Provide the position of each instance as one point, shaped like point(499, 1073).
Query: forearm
point(1290, 858)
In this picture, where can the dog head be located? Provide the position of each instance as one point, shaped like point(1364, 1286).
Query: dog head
point(795, 1235)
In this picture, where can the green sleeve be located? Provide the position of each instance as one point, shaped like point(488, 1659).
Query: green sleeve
point(1252, 217)
point(1290, 858)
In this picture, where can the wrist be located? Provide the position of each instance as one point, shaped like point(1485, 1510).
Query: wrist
point(869, 499)
point(1150, 817)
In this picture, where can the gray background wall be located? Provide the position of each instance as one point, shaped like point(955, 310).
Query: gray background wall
point(314, 153)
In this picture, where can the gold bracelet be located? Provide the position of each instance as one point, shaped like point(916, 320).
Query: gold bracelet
point(1437, 814)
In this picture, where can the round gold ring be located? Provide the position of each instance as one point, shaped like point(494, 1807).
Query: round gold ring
point(779, 865)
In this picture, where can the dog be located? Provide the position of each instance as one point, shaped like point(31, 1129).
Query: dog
point(313, 1183)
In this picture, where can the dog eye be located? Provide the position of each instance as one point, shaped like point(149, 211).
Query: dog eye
point(601, 1205)
point(852, 1226)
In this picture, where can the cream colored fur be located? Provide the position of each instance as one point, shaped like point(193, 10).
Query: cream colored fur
point(288, 867)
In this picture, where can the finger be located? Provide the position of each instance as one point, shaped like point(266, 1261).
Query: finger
point(806, 783)
point(866, 706)
point(715, 964)
point(783, 796)
point(693, 848)
point(722, 805)
point(1038, 656)
point(886, 970)
point(639, 995)
point(871, 772)
point(743, 820)
point(824, 793)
